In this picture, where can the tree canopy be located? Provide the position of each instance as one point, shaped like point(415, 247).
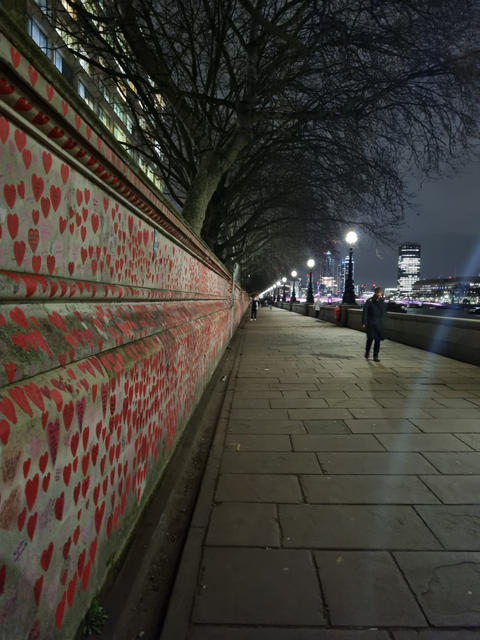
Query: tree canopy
point(277, 121)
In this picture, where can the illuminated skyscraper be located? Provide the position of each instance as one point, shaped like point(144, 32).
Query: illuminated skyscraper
point(408, 267)
point(327, 267)
point(342, 273)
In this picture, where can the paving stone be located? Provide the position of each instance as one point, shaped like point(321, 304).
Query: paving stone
point(337, 386)
point(446, 585)
point(259, 414)
point(307, 403)
point(419, 403)
point(446, 392)
point(295, 395)
point(243, 525)
point(264, 375)
point(265, 633)
point(416, 394)
point(266, 427)
point(456, 403)
point(336, 443)
point(382, 426)
point(323, 427)
point(366, 589)
point(257, 394)
point(376, 386)
point(394, 414)
point(470, 386)
point(433, 634)
point(455, 489)
point(258, 488)
point(447, 426)
point(240, 442)
point(290, 463)
point(352, 403)
point(457, 527)
point(354, 527)
point(318, 414)
point(253, 586)
point(472, 439)
point(327, 395)
point(421, 442)
point(375, 464)
point(293, 387)
point(251, 385)
point(366, 490)
point(250, 403)
point(455, 414)
point(455, 463)
point(297, 380)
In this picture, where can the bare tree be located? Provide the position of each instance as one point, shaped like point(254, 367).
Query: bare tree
point(365, 90)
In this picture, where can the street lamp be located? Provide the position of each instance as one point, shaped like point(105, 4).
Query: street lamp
point(310, 299)
point(279, 284)
point(284, 297)
point(292, 297)
point(349, 292)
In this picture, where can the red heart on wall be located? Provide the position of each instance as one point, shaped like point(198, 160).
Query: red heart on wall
point(46, 557)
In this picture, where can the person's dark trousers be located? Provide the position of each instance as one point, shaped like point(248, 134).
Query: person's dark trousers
point(376, 347)
point(254, 314)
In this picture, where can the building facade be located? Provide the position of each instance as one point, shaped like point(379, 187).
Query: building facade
point(465, 289)
point(342, 273)
point(409, 256)
point(106, 98)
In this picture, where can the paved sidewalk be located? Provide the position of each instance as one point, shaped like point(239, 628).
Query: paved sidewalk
point(341, 500)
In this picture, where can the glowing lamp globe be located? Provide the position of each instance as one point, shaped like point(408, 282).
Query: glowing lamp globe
point(294, 274)
point(311, 264)
point(351, 238)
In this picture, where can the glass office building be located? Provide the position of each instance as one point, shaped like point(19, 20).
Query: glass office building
point(408, 267)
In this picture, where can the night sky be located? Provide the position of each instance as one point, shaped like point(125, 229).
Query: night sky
point(448, 228)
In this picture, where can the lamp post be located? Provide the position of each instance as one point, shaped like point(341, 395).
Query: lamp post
point(279, 284)
point(292, 297)
point(284, 297)
point(310, 299)
point(349, 292)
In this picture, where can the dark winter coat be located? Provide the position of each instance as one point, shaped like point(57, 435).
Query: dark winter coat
point(374, 316)
point(254, 305)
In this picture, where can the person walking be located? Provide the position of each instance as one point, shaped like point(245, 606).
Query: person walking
point(254, 309)
point(374, 316)
point(317, 306)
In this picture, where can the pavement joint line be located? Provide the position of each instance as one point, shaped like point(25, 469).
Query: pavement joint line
point(428, 526)
point(409, 586)
point(326, 610)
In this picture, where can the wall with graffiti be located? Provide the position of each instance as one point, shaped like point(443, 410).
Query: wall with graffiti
point(113, 317)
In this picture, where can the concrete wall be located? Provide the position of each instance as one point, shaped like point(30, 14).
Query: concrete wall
point(113, 317)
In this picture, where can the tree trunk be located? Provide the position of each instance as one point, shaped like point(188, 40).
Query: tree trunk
point(213, 216)
point(212, 167)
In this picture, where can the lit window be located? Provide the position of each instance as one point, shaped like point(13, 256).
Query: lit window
point(37, 35)
point(105, 93)
point(84, 93)
point(43, 4)
point(58, 61)
point(129, 124)
point(104, 117)
point(119, 134)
